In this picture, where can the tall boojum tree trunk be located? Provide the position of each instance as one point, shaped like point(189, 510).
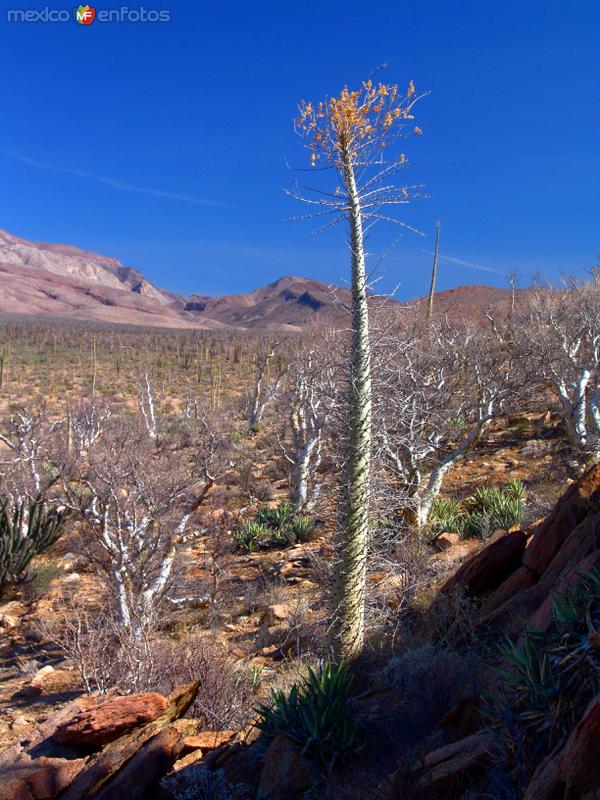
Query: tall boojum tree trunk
point(347, 132)
point(353, 536)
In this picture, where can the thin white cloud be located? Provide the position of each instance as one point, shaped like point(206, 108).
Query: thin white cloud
point(121, 186)
point(466, 263)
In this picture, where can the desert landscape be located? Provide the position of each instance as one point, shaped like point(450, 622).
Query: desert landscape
point(291, 518)
point(168, 555)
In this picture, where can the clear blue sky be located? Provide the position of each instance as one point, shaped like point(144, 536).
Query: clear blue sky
point(164, 145)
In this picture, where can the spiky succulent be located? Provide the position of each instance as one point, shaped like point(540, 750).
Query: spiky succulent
point(26, 529)
point(318, 714)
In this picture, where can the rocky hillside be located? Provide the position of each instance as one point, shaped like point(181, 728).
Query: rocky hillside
point(518, 583)
point(57, 281)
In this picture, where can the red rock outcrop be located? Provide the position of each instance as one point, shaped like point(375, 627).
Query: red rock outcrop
point(573, 771)
point(111, 719)
point(488, 568)
point(516, 575)
point(57, 760)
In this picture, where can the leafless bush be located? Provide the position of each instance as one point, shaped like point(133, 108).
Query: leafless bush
point(307, 404)
point(454, 621)
point(202, 783)
point(26, 454)
point(564, 344)
point(135, 503)
point(225, 696)
point(399, 570)
point(106, 654)
point(269, 375)
point(437, 390)
point(428, 680)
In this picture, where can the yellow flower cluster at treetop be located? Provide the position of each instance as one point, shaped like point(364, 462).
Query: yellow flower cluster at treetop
point(355, 124)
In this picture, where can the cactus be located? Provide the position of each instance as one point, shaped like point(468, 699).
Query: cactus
point(26, 529)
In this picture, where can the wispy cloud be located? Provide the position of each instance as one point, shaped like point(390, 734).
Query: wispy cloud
point(467, 263)
point(120, 185)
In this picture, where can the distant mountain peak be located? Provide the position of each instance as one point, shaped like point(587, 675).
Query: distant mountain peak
point(61, 281)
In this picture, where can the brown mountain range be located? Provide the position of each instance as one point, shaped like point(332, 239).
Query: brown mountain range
point(56, 281)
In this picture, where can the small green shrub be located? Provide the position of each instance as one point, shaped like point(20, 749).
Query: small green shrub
point(447, 515)
point(302, 527)
point(39, 580)
point(317, 714)
point(480, 514)
point(273, 527)
point(278, 518)
point(250, 535)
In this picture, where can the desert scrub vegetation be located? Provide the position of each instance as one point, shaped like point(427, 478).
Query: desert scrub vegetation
point(27, 528)
point(547, 681)
point(273, 527)
point(480, 514)
point(318, 714)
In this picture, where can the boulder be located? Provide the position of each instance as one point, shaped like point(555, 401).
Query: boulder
point(36, 685)
point(580, 765)
point(44, 768)
point(157, 740)
point(286, 773)
point(543, 618)
point(444, 765)
point(239, 763)
point(207, 740)
point(108, 721)
point(516, 574)
point(532, 605)
point(488, 568)
point(521, 578)
point(11, 614)
point(41, 779)
point(573, 506)
point(151, 762)
point(447, 540)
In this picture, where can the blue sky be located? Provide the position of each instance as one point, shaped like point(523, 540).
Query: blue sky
point(165, 145)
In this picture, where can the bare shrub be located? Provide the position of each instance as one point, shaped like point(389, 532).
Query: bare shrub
point(135, 504)
point(108, 656)
point(202, 783)
point(455, 620)
point(225, 697)
point(428, 680)
point(437, 390)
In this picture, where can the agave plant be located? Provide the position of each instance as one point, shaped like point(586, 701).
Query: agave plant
point(278, 518)
point(550, 677)
point(273, 527)
point(26, 529)
point(447, 515)
point(249, 536)
point(302, 527)
point(317, 714)
point(485, 510)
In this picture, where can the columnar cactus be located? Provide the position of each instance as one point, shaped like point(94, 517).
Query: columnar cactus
point(26, 529)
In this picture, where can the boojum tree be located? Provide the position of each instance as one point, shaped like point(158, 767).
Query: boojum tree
point(352, 136)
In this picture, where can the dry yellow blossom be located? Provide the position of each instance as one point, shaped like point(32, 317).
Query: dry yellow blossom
point(354, 121)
